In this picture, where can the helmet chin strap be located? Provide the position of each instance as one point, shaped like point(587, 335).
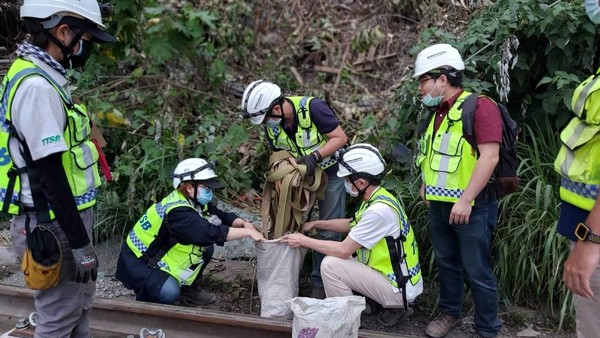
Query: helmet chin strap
point(195, 185)
point(67, 51)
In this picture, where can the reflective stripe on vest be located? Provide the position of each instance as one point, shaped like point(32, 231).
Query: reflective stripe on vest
point(378, 257)
point(446, 159)
point(585, 101)
point(79, 162)
point(578, 163)
point(307, 138)
point(584, 190)
point(182, 262)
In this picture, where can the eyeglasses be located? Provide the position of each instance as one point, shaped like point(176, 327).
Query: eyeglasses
point(422, 81)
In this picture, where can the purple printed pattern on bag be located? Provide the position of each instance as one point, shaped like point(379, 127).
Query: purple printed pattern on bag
point(308, 333)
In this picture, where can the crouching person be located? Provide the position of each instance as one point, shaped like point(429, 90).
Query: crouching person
point(169, 247)
point(386, 268)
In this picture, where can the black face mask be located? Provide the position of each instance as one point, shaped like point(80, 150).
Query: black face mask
point(74, 61)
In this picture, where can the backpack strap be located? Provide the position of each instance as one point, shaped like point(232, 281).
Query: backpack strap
point(40, 202)
point(468, 114)
point(397, 256)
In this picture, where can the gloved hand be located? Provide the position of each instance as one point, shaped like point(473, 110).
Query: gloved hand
point(310, 161)
point(86, 264)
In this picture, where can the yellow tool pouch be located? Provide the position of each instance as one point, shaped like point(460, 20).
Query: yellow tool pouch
point(42, 260)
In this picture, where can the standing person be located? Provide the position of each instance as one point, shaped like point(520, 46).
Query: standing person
point(307, 128)
point(578, 162)
point(170, 245)
point(386, 268)
point(49, 171)
point(456, 172)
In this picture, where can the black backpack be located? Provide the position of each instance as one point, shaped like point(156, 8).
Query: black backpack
point(505, 175)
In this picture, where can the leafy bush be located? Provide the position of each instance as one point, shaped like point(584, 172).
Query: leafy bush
point(165, 104)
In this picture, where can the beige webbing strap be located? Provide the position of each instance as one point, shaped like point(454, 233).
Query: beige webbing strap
point(288, 194)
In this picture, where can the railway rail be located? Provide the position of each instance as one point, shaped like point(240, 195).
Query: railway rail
point(120, 318)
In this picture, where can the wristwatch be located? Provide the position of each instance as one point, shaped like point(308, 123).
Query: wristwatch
point(585, 234)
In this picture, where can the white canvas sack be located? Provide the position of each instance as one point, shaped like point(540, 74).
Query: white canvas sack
point(337, 317)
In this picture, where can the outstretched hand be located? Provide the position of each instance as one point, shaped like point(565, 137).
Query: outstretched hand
point(248, 225)
point(293, 240)
point(255, 235)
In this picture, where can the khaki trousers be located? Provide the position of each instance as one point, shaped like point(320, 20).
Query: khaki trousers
point(63, 311)
point(342, 276)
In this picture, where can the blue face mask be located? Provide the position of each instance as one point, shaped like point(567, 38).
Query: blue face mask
point(204, 195)
point(348, 187)
point(271, 123)
point(593, 10)
point(431, 101)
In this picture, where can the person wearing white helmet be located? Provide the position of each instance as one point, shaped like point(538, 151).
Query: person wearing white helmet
point(307, 128)
point(578, 163)
point(457, 186)
point(170, 245)
point(386, 268)
point(49, 171)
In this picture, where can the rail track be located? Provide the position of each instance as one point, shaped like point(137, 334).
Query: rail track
point(119, 318)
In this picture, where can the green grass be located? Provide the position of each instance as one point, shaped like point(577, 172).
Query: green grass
point(112, 217)
point(529, 253)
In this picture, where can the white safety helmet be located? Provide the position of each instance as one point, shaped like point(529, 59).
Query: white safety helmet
point(258, 100)
point(196, 169)
point(51, 12)
point(438, 56)
point(361, 158)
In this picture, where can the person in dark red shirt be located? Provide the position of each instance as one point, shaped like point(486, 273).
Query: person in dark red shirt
point(456, 172)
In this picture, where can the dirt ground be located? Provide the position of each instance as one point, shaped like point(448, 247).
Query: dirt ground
point(237, 293)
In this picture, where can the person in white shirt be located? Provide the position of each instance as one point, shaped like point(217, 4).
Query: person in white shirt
point(386, 263)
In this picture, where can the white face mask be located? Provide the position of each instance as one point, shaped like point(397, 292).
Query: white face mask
point(349, 186)
point(272, 123)
point(593, 10)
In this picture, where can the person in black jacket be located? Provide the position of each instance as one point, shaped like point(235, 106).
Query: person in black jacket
point(169, 247)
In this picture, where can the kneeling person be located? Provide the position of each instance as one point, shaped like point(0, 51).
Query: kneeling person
point(169, 247)
point(386, 268)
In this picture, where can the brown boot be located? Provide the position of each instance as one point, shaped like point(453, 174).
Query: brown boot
point(440, 326)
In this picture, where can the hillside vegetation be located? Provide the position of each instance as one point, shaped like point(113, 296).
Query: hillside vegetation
point(169, 88)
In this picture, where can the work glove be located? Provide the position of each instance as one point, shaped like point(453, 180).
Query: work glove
point(310, 161)
point(86, 264)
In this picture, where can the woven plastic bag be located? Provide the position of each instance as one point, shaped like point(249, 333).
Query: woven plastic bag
point(331, 317)
point(278, 268)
